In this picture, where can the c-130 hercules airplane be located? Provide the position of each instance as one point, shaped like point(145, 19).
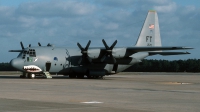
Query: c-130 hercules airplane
point(92, 62)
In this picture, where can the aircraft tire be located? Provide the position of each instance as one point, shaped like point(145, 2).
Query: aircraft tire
point(89, 76)
point(100, 77)
point(80, 76)
point(26, 75)
point(72, 76)
point(96, 77)
point(22, 76)
point(31, 76)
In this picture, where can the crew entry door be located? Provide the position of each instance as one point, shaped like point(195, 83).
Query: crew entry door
point(67, 62)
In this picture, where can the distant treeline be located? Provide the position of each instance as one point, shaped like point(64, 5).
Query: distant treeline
point(190, 65)
point(6, 67)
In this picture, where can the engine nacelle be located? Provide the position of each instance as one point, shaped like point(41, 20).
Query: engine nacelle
point(119, 52)
point(93, 53)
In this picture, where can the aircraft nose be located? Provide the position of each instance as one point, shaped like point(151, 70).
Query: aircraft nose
point(17, 63)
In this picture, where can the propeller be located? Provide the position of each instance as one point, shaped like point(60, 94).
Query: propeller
point(109, 51)
point(29, 45)
point(84, 52)
point(22, 45)
point(39, 44)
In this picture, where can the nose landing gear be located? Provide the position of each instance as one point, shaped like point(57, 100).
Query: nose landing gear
point(31, 76)
point(28, 75)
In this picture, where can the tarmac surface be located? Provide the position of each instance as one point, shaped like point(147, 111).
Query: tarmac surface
point(124, 92)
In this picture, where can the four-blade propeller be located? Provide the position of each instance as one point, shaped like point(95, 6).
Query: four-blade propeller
point(22, 45)
point(109, 51)
point(84, 52)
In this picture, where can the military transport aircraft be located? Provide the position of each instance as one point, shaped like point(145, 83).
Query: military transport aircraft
point(92, 62)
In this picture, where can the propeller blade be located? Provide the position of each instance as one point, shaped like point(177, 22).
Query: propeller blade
point(113, 45)
point(104, 42)
point(80, 60)
point(84, 53)
point(89, 59)
point(114, 60)
point(39, 44)
point(22, 45)
point(109, 51)
point(79, 45)
point(103, 58)
point(86, 48)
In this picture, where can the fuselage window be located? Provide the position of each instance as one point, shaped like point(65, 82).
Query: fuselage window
point(31, 59)
point(55, 59)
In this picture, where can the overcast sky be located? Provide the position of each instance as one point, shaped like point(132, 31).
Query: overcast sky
point(66, 22)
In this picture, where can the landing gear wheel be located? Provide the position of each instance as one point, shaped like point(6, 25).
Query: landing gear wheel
point(72, 76)
point(31, 76)
point(22, 76)
point(100, 77)
point(96, 77)
point(80, 76)
point(26, 75)
point(89, 77)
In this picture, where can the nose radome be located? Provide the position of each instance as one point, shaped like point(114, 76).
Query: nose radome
point(17, 63)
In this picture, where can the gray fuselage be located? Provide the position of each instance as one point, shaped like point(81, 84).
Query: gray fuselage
point(65, 61)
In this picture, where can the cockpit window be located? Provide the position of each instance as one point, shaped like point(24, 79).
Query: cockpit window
point(32, 52)
point(24, 54)
point(31, 59)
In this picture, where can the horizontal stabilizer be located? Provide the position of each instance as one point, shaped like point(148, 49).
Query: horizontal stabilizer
point(140, 49)
point(167, 53)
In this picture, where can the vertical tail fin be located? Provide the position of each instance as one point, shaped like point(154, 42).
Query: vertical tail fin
point(150, 33)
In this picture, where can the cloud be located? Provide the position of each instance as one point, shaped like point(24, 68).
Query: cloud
point(166, 8)
point(64, 23)
point(116, 3)
point(56, 8)
point(160, 2)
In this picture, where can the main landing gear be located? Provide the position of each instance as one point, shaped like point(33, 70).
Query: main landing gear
point(28, 75)
point(88, 76)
